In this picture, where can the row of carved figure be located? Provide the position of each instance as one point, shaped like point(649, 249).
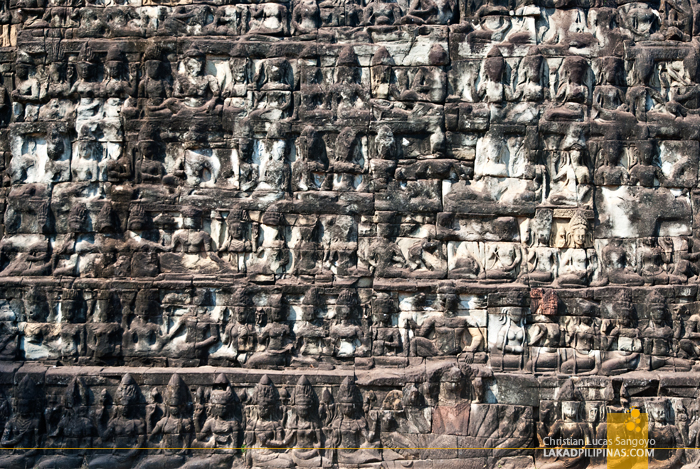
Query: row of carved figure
point(301, 425)
point(609, 337)
point(496, 21)
point(351, 160)
point(201, 81)
point(260, 426)
point(78, 242)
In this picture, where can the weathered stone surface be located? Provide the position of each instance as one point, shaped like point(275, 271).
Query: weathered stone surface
point(346, 234)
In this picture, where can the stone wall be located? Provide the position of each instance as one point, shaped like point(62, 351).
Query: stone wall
point(360, 233)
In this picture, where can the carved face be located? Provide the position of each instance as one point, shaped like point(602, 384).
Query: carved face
point(348, 74)
point(190, 223)
point(570, 409)
point(217, 410)
point(451, 387)
point(153, 69)
point(22, 71)
point(578, 237)
point(348, 408)
point(174, 410)
point(84, 70)
point(533, 67)
point(381, 318)
point(515, 314)
point(55, 72)
point(657, 412)
point(449, 303)
point(55, 145)
point(238, 70)
point(303, 409)
point(593, 414)
point(493, 68)
point(385, 143)
point(24, 407)
point(265, 409)
point(658, 312)
point(576, 156)
point(260, 317)
point(113, 69)
point(236, 230)
point(640, 19)
point(194, 66)
point(126, 396)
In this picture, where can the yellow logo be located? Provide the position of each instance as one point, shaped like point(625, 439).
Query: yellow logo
point(628, 440)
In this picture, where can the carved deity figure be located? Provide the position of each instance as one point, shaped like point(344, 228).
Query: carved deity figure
point(354, 442)
point(126, 429)
point(24, 429)
point(446, 333)
point(222, 428)
point(570, 426)
point(508, 352)
point(197, 91)
point(621, 343)
point(175, 430)
point(304, 428)
point(74, 430)
point(264, 433)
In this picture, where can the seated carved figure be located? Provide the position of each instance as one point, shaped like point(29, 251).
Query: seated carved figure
point(220, 431)
point(27, 90)
point(311, 162)
point(192, 248)
point(611, 173)
point(304, 429)
point(305, 17)
point(502, 263)
point(508, 351)
point(353, 440)
point(429, 12)
point(570, 427)
point(666, 437)
point(381, 13)
point(197, 91)
point(576, 266)
point(621, 343)
point(24, 429)
point(386, 339)
point(175, 430)
point(237, 242)
point(642, 100)
point(614, 257)
point(492, 89)
point(581, 357)
point(545, 332)
point(75, 429)
point(445, 333)
point(264, 433)
point(238, 340)
point(144, 338)
point(268, 18)
point(350, 97)
point(126, 429)
point(274, 338)
point(572, 91)
point(347, 336)
point(154, 89)
point(608, 96)
point(658, 337)
point(689, 342)
point(646, 173)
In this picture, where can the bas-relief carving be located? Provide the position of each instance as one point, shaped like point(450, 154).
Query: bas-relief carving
point(400, 210)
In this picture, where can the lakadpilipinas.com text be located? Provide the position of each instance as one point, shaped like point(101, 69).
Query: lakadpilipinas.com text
point(619, 448)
